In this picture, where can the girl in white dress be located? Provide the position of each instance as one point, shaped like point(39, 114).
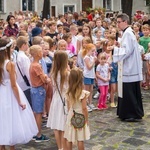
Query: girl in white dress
point(17, 123)
point(76, 98)
point(57, 116)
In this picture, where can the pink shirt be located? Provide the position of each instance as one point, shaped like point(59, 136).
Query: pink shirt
point(71, 48)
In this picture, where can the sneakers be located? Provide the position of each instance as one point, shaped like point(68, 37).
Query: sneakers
point(34, 138)
point(105, 106)
point(41, 139)
point(100, 107)
point(89, 109)
point(113, 105)
point(92, 107)
point(96, 95)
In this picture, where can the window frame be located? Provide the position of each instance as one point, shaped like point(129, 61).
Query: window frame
point(3, 7)
point(69, 5)
point(34, 5)
point(105, 2)
point(147, 2)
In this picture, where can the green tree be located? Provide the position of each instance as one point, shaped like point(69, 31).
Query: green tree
point(127, 7)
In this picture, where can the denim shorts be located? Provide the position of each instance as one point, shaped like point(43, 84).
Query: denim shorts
point(114, 73)
point(88, 81)
point(38, 95)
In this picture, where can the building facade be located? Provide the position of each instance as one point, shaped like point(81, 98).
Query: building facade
point(62, 6)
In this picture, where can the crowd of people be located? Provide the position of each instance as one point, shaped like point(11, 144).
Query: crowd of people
point(49, 68)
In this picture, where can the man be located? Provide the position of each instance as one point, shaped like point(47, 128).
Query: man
point(130, 107)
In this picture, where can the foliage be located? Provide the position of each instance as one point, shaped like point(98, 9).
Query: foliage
point(99, 9)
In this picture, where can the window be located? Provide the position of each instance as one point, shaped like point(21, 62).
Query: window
point(107, 4)
point(147, 2)
point(69, 8)
point(1, 5)
point(28, 5)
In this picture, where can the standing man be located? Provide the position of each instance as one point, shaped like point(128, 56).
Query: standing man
point(130, 107)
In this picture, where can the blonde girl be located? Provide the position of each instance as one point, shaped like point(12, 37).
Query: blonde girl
point(59, 76)
point(76, 99)
point(89, 58)
point(85, 41)
point(103, 77)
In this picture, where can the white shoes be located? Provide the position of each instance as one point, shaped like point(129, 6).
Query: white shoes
point(96, 95)
point(92, 107)
point(89, 109)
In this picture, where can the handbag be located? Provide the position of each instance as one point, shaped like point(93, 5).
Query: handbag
point(23, 76)
point(78, 120)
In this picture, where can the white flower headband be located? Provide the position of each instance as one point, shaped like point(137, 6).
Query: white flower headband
point(9, 44)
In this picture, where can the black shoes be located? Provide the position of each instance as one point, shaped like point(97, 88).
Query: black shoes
point(131, 120)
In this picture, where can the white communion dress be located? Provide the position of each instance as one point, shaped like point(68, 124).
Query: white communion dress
point(17, 126)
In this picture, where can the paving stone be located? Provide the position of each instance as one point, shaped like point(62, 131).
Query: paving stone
point(107, 132)
point(135, 142)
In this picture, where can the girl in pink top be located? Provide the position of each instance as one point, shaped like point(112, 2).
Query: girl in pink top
point(68, 38)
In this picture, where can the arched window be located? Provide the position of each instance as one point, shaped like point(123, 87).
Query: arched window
point(28, 5)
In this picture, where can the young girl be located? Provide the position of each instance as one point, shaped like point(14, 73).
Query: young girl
point(87, 32)
point(17, 123)
point(103, 77)
point(68, 38)
point(89, 59)
point(76, 99)
point(59, 75)
point(114, 73)
point(86, 40)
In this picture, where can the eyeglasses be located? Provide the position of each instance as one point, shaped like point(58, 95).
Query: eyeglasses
point(120, 22)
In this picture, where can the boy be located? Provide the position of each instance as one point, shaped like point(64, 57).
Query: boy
point(144, 40)
point(52, 33)
point(38, 94)
point(23, 65)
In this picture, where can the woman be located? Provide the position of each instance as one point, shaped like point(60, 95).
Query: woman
point(12, 28)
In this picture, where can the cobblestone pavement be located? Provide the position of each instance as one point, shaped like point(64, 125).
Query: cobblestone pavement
point(107, 132)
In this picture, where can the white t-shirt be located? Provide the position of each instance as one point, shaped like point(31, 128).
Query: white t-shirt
point(86, 72)
point(103, 71)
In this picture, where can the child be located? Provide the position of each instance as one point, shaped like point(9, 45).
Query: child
point(68, 38)
point(103, 77)
point(18, 124)
point(62, 45)
point(23, 65)
point(89, 59)
point(76, 43)
point(38, 93)
point(59, 76)
point(76, 99)
point(114, 72)
point(86, 40)
point(144, 40)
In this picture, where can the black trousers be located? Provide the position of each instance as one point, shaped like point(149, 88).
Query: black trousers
point(130, 106)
